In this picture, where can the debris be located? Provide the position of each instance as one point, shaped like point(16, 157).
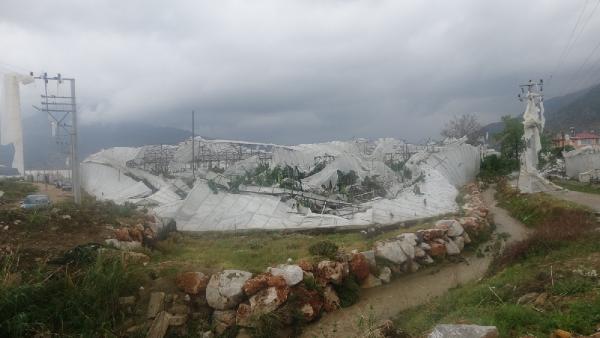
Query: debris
point(385, 275)
point(156, 304)
point(293, 274)
point(224, 290)
point(160, 325)
point(192, 282)
point(463, 331)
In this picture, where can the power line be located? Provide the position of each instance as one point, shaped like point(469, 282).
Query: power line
point(563, 53)
point(589, 17)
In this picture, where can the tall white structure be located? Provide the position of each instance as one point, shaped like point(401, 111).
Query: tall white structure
point(530, 180)
point(11, 130)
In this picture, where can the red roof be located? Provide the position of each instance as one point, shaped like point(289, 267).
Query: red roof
point(584, 135)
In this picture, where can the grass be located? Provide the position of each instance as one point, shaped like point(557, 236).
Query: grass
point(550, 261)
point(255, 251)
point(68, 302)
point(15, 190)
point(537, 209)
point(578, 186)
point(575, 306)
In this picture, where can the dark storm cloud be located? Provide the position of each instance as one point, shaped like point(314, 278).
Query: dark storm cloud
point(296, 71)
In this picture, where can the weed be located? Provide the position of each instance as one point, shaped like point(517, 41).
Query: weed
point(324, 248)
point(15, 190)
point(572, 285)
point(67, 301)
point(348, 292)
point(267, 326)
point(311, 284)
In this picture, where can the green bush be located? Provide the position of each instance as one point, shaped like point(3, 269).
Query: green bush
point(78, 302)
point(267, 326)
point(15, 190)
point(324, 248)
point(572, 285)
point(348, 292)
point(493, 166)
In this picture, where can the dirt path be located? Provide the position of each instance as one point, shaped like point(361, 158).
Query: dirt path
point(414, 289)
point(55, 194)
point(589, 200)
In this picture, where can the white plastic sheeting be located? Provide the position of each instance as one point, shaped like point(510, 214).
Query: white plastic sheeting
point(437, 172)
point(11, 131)
point(581, 160)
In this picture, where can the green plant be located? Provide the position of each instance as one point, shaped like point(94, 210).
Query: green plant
point(266, 325)
point(323, 248)
point(348, 291)
point(572, 284)
point(310, 283)
point(68, 302)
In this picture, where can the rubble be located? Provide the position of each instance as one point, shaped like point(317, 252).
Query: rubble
point(224, 290)
point(463, 331)
point(192, 282)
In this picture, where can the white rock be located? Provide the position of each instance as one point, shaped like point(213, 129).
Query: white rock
point(409, 237)
point(224, 290)
point(408, 246)
point(425, 246)
point(453, 226)
point(427, 260)
point(463, 331)
point(452, 248)
point(123, 245)
point(391, 251)
point(370, 257)
point(419, 253)
point(460, 242)
point(385, 275)
point(467, 238)
point(292, 274)
point(266, 301)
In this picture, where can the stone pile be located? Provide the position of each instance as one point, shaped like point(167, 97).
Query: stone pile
point(307, 289)
point(128, 237)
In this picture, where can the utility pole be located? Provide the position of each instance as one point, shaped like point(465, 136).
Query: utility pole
point(58, 108)
point(193, 145)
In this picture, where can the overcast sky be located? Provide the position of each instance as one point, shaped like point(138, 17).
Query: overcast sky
point(298, 71)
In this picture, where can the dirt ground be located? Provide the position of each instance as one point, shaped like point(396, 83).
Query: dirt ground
point(415, 289)
point(55, 194)
point(38, 244)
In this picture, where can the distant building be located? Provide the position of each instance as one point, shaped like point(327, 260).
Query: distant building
point(577, 140)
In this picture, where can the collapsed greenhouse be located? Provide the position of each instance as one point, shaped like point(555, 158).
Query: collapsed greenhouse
point(218, 185)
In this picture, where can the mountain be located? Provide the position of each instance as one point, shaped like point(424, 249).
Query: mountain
point(580, 109)
point(42, 151)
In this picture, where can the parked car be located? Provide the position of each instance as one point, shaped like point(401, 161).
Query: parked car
point(35, 201)
point(67, 186)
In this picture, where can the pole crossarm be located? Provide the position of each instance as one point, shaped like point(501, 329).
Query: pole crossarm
point(69, 106)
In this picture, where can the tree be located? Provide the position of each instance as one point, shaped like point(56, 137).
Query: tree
point(464, 125)
point(511, 140)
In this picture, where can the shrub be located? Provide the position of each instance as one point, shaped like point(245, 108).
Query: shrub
point(82, 302)
point(348, 292)
point(493, 166)
point(267, 325)
point(323, 248)
point(15, 190)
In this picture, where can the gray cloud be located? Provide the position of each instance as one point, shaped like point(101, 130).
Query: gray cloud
point(296, 71)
